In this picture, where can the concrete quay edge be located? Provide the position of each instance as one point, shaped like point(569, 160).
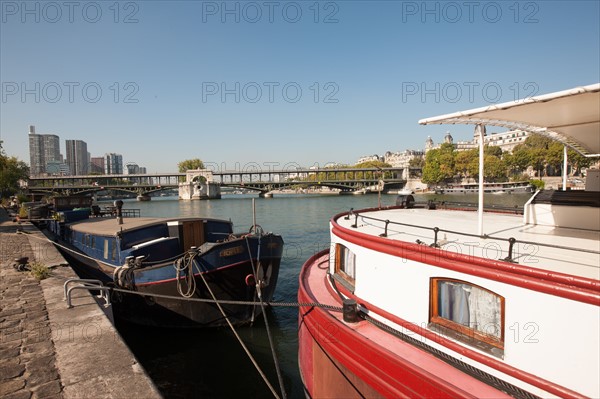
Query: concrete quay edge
point(91, 358)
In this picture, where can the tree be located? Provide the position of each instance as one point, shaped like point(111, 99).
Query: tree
point(492, 150)
point(555, 156)
point(376, 165)
point(465, 163)
point(11, 171)
point(494, 168)
point(439, 164)
point(188, 164)
point(578, 161)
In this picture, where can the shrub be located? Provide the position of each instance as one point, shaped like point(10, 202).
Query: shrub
point(39, 270)
point(538, 184)
point(23, 211)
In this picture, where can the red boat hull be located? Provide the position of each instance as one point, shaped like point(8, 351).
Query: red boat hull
point(339, 359)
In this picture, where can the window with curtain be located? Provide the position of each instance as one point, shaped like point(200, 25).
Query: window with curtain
point(345, 261)
point(475, 313)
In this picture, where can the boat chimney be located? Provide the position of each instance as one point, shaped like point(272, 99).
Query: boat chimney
point(119, 206)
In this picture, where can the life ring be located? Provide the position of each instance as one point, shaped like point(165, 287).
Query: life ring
point(250, 281)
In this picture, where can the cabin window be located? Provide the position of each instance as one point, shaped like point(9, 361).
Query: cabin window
point(345, 263)
point(113, 254)
point(471, 313)
point(105, 249)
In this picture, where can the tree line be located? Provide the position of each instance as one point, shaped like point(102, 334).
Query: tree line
point(445, 164)
point(11, 171)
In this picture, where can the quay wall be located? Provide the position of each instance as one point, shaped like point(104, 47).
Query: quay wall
point(48, 350)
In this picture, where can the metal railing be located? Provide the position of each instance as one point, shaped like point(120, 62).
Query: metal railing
point(89, 285)
point(435, 230)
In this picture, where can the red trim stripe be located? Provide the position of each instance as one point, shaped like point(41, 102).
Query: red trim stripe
point(195, 275)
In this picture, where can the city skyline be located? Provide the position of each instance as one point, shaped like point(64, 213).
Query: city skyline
point(282, 83)
point(45, 158)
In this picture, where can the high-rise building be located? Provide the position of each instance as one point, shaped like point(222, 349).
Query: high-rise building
point(77, 156)
point(44, 149)
point(113, 164)
point(132, 168)
point(97, 165)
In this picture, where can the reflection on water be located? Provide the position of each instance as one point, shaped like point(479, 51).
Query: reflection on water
point(211, 363)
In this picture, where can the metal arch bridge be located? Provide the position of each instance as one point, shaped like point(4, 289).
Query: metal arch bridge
point(346, 180)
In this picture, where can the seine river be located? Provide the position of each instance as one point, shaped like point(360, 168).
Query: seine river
point(211, 363)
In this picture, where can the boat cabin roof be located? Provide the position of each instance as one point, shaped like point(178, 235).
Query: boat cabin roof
point(565, 250)
point(110, 227)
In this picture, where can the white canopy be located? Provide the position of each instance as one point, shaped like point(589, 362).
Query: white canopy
point(571, 117)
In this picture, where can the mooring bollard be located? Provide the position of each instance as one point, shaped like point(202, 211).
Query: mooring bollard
point(350, 310)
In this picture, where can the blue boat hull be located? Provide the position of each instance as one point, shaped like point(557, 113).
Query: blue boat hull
point(230, 269)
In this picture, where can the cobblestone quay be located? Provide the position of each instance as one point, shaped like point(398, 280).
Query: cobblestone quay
point(47, 350)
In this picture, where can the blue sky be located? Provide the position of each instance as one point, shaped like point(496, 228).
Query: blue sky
point(277, 83)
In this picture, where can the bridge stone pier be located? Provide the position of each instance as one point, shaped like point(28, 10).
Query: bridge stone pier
point(199, 184)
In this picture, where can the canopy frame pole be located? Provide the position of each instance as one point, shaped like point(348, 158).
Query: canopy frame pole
point(480, 132)
point(565, 165)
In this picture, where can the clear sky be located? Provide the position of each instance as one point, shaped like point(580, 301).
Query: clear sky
point(277, 83)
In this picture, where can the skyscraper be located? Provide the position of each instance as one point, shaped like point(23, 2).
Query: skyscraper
point(113, 164)
point(77, 157)
point(43, 149)
point(97, 165)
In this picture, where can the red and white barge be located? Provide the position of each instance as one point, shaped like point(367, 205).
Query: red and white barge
point(458, 303)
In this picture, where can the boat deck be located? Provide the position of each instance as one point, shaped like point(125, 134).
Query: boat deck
point(565, 250)
point(109, 227)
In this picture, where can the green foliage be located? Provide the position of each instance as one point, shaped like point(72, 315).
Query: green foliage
point(494, 169)
point(11, 171)
point(22, 198)
point(22, 211)
point(416, 162)
point(542, 153)
point(39, 270)
point(539, 184)
point(439, 164)
point(371, 164)
point(189, 164)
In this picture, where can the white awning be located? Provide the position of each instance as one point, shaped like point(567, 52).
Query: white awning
point(571, 117)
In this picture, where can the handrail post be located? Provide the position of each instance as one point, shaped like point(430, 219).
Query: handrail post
point(384, 234)
point(435, 237)
point(349, 213)
point(355, 225)
point(511, 243)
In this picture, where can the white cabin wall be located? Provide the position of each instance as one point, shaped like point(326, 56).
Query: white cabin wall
point(583, 217)
point(547, 335)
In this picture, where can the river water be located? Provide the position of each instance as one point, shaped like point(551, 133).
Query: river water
point(211, 363)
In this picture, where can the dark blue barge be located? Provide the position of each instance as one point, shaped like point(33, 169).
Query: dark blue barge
point(185, 258)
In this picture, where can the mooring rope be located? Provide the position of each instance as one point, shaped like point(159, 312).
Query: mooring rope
point(254, 362)
point(184, 265)
point(205, 300)
point(264, 313)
